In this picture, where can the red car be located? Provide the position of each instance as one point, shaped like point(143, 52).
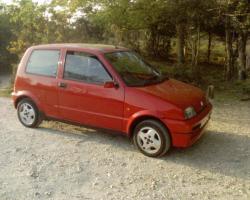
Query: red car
point(111, 88)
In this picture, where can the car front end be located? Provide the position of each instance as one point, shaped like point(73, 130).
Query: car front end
point(185, 133)
point(182, 108)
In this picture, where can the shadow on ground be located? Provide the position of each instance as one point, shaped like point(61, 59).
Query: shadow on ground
point(224, 153)
point(217, 152)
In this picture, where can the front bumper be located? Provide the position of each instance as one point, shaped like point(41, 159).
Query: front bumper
point(186, 133)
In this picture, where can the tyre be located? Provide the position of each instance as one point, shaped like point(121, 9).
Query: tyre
point(151, 138)
point(28, 113)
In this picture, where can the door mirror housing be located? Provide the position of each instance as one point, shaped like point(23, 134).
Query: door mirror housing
point(110, 84)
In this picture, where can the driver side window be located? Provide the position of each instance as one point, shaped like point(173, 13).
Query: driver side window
point(81, 66)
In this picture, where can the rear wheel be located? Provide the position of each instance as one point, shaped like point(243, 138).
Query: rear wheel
point(28, 113)
point(152, 138)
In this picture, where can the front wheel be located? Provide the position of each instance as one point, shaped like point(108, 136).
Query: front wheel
point(152, 138)
point(28, 113)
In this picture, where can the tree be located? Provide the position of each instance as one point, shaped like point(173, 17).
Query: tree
point(235, 14)
point(242, 18)
point(29, 25)
point(178, 13)
point(6, 35)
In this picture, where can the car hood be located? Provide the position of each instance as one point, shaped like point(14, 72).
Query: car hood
point(178, 93)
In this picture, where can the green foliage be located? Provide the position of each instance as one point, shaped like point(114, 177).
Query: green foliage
point(183, 73)
point(149, 27)
point(6, 36)
point(29, 25)
point(244, 86)
point(6, 92)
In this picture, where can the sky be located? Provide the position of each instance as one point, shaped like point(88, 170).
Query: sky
point(39, 1)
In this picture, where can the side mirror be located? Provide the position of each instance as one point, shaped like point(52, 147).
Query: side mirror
point(110, 84)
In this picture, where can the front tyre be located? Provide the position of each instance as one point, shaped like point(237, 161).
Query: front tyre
point(28, 113)
point(151, 138)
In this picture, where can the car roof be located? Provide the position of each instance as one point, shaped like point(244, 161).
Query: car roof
point(83, 46)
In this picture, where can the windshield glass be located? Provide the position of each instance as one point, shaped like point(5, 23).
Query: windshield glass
point(133, 70)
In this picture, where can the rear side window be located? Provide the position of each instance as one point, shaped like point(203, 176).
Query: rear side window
point(84, 67)
point(43, 62)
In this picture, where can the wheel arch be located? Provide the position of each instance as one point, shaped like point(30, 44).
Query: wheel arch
point(141, 118)
point(37, 117)
point(20, 99)
point(23, 95)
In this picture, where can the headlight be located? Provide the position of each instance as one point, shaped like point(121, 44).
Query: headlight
point(189, 112)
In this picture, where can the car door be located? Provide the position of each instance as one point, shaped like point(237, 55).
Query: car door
point(82, 96)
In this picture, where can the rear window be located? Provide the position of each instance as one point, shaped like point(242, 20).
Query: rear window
point(43, 62)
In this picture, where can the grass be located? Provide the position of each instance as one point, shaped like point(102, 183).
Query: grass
point(6, 89)
point(235, 90)
point(5, 92)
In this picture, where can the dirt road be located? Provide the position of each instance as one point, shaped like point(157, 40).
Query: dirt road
point(68, 162)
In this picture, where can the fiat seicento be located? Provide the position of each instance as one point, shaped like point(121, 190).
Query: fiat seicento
point(110, 88)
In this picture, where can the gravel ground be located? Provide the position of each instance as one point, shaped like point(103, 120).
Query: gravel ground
point(58, 161)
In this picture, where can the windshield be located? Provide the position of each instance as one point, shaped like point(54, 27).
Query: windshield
point(133, 70)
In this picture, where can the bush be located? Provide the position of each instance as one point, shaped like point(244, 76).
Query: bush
point(183, 73)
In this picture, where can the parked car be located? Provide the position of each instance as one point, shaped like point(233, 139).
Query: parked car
point(111, 88)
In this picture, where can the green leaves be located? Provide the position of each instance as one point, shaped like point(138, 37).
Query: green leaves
point(144, 25)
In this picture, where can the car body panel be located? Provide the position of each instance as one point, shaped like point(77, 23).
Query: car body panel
point(114, 108)
point(42, 89)
point(187, 132)
point(90, 104)
point(177, 93)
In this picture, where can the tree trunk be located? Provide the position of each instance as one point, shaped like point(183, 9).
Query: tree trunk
point(209, 46)
point(194, 48)
point(198, 46)
point(180, 29)
point(196, 51)
point(229, 51)
point(153, 40)
point(242, 42)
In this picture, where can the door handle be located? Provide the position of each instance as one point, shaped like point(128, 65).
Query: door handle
point(62, 85)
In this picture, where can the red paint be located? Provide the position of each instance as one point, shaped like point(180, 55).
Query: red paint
point(111, 107)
